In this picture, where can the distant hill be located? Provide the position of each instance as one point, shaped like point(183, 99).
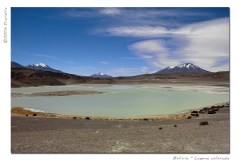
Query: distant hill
point(100, 75)
point(16, 65)
point(24, 77)
point(42, 67)
point(183, 68)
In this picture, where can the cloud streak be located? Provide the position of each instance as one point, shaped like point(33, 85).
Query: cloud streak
point(50, 57)
point(128, 71)
point(110, 11)
point(204, 44)
point(166, 17)
point(104, 62)
point(167, 36)
point(147, 31)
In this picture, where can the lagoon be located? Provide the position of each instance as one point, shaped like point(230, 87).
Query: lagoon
point(123, 101)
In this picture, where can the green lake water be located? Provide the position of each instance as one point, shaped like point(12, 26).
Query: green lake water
point(122, 100)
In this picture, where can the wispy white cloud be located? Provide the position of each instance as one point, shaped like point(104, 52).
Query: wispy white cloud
point(110, 11)
point(167, 17)
point(50, 57)
point(128, 71)
point(144, 69)
point(148, 31)
point(75, 13)
point(78, 68)
point(104, 62)
point(204, 44)
point(84, 67)
point(46, 56)
point(91, 12)
point(131, 58)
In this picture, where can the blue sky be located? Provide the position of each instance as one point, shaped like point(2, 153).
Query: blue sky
point(120, 41)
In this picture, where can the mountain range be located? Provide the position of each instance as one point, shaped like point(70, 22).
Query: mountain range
point(42, 67)
point(183, 68)
point(100, 75)
point(16, 65)
point(23, 76)
point(39, 66)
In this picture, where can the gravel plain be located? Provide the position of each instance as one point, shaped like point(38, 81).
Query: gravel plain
point(33, 134)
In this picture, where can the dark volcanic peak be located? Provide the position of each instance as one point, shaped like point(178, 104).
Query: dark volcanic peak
point(39, 65)
point(42, 67)
point(16, 65)
point(100, 75)
point(183, 68)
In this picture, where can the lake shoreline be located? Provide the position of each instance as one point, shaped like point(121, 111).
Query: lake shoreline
point(87, 89)
point(38, 132)
point(33, 134)
point(56, 93)
point(21, 111)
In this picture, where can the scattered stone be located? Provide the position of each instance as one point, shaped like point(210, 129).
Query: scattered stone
point(195, 114)
point(189, 117)
point(214, 107)
point(26, 114)
point(160, 128)
point(74, 117)
point(202, 111)
point(60, 129)
point(204, 123)
point(226, 105)
point(175, 125)
point(34, 114)
point(87, 118)
point(211, 112)
point(221, 106)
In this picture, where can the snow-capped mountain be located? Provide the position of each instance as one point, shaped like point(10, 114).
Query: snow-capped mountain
point(16, 65)
point(100, 75)
point(42, 67)
point(183, 68)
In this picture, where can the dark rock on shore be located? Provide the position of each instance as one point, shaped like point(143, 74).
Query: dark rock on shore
point(212, 109)
point(204, 123)
point(79, 136)
point(211, 112)
point(195, 114)
point(203, 111)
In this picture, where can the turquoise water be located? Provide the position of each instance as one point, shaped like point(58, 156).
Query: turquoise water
point(122, 100)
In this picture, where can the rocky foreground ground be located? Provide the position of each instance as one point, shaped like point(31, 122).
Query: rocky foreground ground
point(207, 131)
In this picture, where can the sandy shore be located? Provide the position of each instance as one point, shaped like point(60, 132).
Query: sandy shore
point(57, 93)
point(34, 134)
